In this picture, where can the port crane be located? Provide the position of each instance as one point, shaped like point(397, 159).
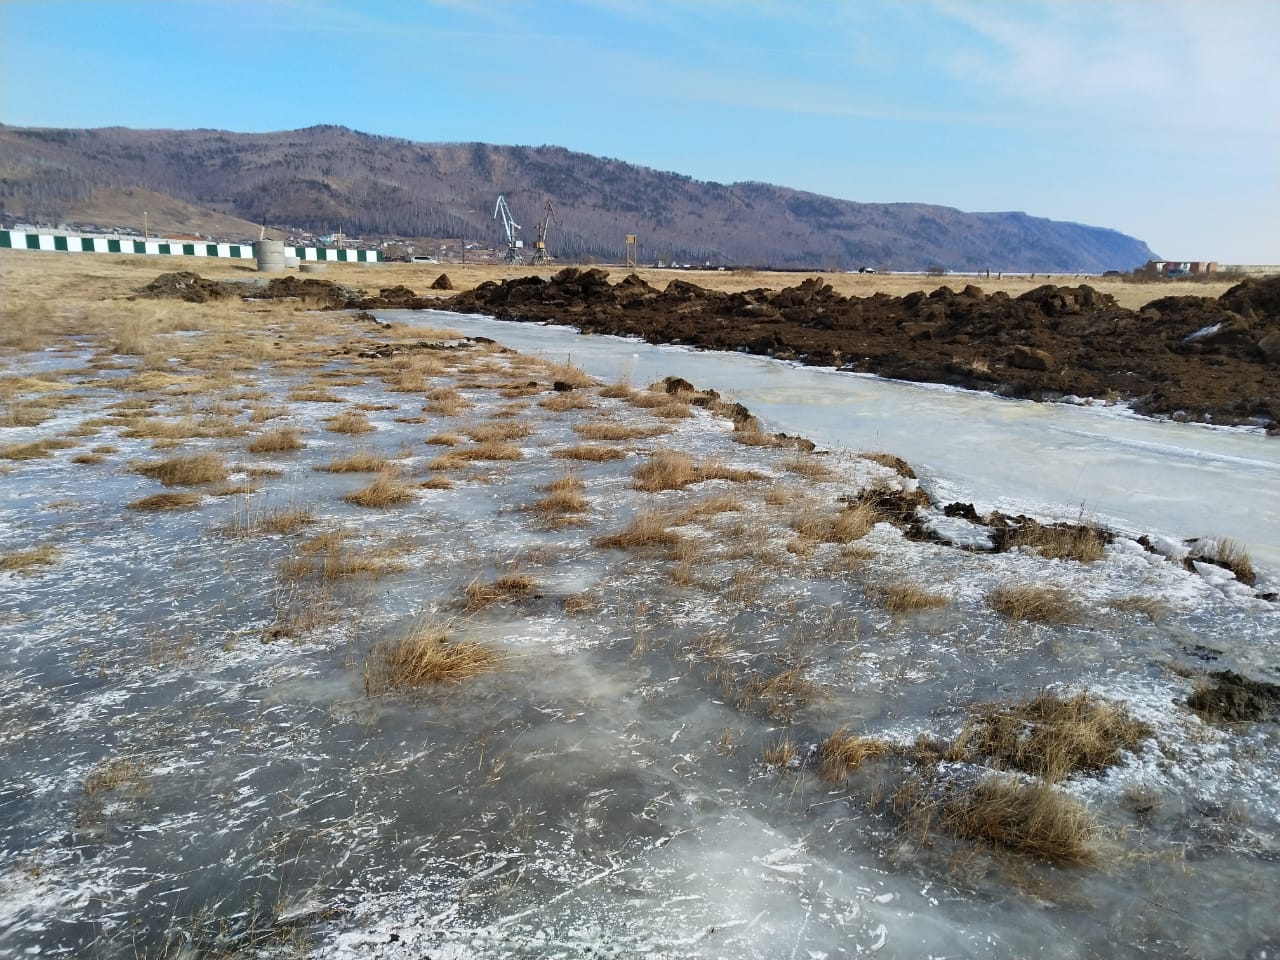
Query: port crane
point(540, 254)
point(512, 229)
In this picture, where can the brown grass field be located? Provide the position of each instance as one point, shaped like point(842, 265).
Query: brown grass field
point(77, 276)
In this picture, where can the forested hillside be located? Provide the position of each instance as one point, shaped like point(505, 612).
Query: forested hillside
point(325, 178)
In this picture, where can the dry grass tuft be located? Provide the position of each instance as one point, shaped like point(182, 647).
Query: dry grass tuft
point(112, 775)
point(610, 430)
point(447, 402)
point(1235, 557)
point(424, 657)
point(1083, 543)
point(583, 602)
point(277, 441)
point(88, 459)
point(460, 456)
point(661, 404)
point(645, 531)
point(621, 390)
point(1149, 607)
point(675, 470)
point(1040, 604)
point(564, 495)
point(783, 752)
point(708, 507)
point(444, 439)
point(350, 421)
point(26, 561)
point(853, 522)
point(570, 400)
point(906, 597)
point(842, 753)
point(278, 521)
point(362, 461)
point(589, 452)
point(509, 586)
point(1050, 736)
point(892, 461)
point(326, 557)
point(166, 501)
point(780, 696)
point(570, 374)
point(498, 431)
point(307, 393)
point(808, 467)
point(667, 470)
point(385, 491)
point(185, 471)
point(150, 428)
point(1034, 819)
point(33, 450)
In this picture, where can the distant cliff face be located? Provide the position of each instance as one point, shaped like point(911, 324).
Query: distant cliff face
point(326, 178)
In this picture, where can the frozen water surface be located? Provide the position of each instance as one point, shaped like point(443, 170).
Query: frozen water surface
point(192, 765)
point(1184, 479)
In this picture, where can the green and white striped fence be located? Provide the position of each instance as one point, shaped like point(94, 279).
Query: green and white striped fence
point(21, 240)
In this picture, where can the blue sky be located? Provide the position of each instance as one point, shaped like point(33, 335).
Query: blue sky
point(1157, 118)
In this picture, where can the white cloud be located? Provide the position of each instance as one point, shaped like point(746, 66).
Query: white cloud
point(1176, 68)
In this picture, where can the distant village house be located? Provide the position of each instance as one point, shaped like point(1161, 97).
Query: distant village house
point(1179, 268)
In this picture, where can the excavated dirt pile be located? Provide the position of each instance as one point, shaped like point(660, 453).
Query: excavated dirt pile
point(1187, 357)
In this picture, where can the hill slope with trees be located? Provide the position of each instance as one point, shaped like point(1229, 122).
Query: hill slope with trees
point(325, 178)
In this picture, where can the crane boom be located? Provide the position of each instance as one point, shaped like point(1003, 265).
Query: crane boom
point(540, 254)
point(512, 230)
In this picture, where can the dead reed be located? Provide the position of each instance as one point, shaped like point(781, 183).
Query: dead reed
point(33, 450)
point(1083, 543)
point(166, 501)
point(1235, 557)
point(1032, 819)
point(362, 461)
point(350, 421)
point(808, 467)
point(508, 587)
point(1050, 736)
point(277, 441)
point(590, 452)
point(611, 430)
point(27, 561)
point(566, 401)
point(843, 752)
point(424, 657)
point(901, 597)
point(675, 470)
point(648, 530)
point(1039, 604)
point(385, 491)
point(185, 471)
point(498, 431)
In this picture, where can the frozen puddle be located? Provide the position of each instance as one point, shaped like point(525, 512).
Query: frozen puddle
point(193, 765)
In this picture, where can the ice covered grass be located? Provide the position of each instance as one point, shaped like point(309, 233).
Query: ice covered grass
point(617, 785)
point(424, 657)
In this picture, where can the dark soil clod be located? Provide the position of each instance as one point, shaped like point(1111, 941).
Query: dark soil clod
point(1233, 698)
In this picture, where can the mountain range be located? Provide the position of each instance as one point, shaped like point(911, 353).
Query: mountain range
point(326, 178)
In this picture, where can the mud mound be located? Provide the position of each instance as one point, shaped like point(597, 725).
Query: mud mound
point(1233, 698)
point(442, 282)
point(1192, 358)
point(323, 293)
point(188, 286)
